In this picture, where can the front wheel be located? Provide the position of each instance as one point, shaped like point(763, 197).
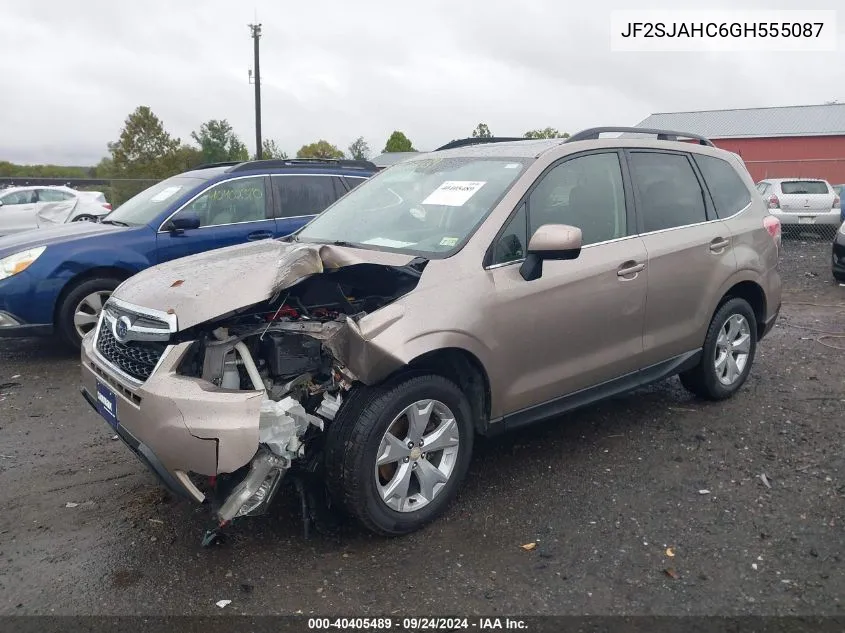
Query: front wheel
point(397, 455)
point(727, 354)
point(85, 217)
point(80, 309)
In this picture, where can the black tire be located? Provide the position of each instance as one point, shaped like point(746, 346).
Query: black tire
point(85, 217)
point(702, 379)
point(353, 442)
point(65, 327)
point(839, 277)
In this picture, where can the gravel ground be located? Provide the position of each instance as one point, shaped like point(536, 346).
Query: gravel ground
point(613, 496)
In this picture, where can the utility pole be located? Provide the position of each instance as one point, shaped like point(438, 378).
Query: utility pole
point(256, 79)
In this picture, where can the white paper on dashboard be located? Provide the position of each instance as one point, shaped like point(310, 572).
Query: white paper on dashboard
point(383, 241)
point(454, 193)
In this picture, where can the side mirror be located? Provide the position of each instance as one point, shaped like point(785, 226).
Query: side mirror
point(550, 241)
point(184, 222)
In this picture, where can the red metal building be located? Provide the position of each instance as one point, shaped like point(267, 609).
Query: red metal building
point(782, 142)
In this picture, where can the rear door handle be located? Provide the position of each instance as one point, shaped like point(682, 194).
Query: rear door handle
point(259, 235)
point(719, 244)
point(629, 268)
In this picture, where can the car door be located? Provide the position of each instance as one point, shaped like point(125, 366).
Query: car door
point(690, 252)
point(18, 211)
point(297, 198)
point(581, 323)
point(231, 212)
point(54, 206)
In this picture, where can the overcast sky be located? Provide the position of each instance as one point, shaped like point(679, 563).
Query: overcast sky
point(73, 70)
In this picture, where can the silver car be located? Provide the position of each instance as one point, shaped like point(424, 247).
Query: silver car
point(801, 201)
point(27, 208)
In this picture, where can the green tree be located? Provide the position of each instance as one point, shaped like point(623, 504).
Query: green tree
point(270, 149)
point(219, 143)
point(398, 142)
point(142, 146)
point(482, 131)
point(320, 149)
point(359, 150)
point(548, 132)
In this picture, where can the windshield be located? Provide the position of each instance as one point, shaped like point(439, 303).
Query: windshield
point(144, 207)
point(426, 206)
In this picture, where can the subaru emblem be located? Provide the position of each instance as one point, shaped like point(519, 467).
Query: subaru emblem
point(121, 328)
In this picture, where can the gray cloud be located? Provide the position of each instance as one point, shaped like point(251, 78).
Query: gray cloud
point(73, 71)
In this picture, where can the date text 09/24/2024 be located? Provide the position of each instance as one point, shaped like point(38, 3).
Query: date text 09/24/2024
point(416, 624)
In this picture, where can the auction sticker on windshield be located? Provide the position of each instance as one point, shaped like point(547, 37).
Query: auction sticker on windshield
point(164, 194)
point(454, 193)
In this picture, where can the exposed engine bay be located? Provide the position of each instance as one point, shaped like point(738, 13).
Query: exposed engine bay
point(290, 348)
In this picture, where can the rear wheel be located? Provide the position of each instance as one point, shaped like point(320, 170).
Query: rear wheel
point(80, 309)
point(727, 354)
point(397, 455)
point(85, 218)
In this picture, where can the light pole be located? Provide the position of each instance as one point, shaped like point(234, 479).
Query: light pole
point(256, 79)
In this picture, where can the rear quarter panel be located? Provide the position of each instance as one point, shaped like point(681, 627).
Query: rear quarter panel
point(756, 252)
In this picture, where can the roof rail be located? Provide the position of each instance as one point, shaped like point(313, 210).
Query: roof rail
point(301, 162)
point(228, 163)
point(463, 142)
point(662, 135)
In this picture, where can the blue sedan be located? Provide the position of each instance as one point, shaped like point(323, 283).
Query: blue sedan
point(56, 280)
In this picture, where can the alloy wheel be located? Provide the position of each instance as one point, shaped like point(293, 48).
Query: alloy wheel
point(88, 310)
point(733, 347)
point(417, 455)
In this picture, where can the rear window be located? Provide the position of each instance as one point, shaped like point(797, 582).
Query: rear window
point(804, 187)
point(729, 193)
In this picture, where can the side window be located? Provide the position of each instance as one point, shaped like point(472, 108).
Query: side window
point(230, 202)
point(585, 192)
point(302, 195)
point(726, 188)
point(52, 195)
point(670, 195)
point(352, 182)
point(19, 197)
point(513, 243)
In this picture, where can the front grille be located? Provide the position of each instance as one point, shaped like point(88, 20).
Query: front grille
point(136, 358)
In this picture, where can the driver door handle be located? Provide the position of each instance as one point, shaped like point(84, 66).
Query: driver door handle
point(719, 244)
point(629, 268)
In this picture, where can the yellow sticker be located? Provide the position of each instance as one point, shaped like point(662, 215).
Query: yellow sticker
point(449, 241)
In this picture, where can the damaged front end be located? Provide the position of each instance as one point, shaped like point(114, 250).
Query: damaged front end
point(302, 350)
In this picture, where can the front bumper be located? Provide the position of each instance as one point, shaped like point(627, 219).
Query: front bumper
point(808, 218)
point(13, 326)
point(149, 459)
point(177, 424)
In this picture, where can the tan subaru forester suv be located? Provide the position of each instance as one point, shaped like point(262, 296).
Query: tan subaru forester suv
point(471, 290)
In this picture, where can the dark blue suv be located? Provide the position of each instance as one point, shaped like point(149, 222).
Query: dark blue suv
point(56, 279)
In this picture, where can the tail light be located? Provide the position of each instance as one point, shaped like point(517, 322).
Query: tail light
point(107, 205)
point(772, 225)
point(774, 203)
point(835, 203)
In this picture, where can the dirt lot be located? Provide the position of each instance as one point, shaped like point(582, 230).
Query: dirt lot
point(603, 493)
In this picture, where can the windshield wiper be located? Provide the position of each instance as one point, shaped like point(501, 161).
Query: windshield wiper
point(342, 243)
point(115, 222)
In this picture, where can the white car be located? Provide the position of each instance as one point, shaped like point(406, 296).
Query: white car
point(26, 208)
point(806, 201)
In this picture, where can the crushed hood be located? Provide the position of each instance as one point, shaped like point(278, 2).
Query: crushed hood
point(211, 284)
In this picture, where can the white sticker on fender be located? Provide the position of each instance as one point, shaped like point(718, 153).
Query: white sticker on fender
point(454, 193)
